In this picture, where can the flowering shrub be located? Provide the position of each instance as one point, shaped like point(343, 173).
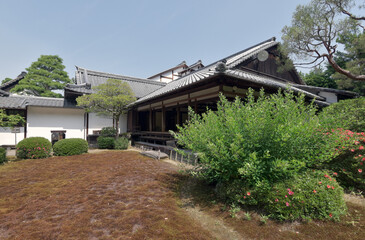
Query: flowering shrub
point(2, 155)
point(33, 148)
point(71, 146)
point(349, 159)
point(314, 194)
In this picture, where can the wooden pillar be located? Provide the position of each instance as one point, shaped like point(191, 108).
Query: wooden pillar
point(150, 120)
point(163, 120)
point(178, 120)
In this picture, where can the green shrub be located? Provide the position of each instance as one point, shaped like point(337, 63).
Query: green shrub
point(108, 132)
point(33, 148)
point(2, 155)
point(259, 142)
point(348, 114)
point(349, 163)
point(121, 143)
point(310, 195)
point(71, 146)
point(106, 142)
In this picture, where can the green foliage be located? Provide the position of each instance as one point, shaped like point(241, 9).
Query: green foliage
point(348, 165)
point(248, 147)
point(258, 142)
point(108, 131)
point(348, 114)
point(309, 195)
point(33, 148)
point(110, 99)
point(70, 146)
point(6, 80)
point(44, 76)
point(121, 143)
point(10, 120)
point(319, 78)
point(2, 155)
point(106, 142)
point(315, 27)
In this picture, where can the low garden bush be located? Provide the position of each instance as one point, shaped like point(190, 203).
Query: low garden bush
point(310, 195)
point(348, 163)
point(71, 146)
point(347, 114)
point(106, 142)
point(2, 155)
point(121, 143)
point(247, 147)
point(33, 148)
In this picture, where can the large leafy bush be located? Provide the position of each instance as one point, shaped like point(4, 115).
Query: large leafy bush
point(253, 145)
point(347, 114)
point(33, 148)
point(2, 155)
point(108, 132)
point(71, 146)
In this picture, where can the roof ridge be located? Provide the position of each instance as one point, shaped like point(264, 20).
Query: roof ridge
point(122, 76)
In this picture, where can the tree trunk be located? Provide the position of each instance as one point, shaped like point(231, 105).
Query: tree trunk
point(117, 126)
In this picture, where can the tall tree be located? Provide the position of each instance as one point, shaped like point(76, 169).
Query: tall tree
point(110, 99)
point(315, 28)
point(44, 77)
point(319, 78)
point(10, 120)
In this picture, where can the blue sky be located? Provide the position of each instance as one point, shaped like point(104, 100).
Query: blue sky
point(134, 38)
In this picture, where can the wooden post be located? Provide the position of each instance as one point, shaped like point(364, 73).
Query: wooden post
point(178, 114)
point(163, 120)
point(150, 120)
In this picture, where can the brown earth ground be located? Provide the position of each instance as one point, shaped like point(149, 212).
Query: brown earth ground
point(123, 195)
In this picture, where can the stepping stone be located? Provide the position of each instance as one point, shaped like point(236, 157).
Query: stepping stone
point(155, 154)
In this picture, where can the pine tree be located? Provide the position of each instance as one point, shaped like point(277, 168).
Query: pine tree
point(44, 77)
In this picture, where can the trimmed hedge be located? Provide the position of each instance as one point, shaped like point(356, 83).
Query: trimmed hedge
point(106, 142)
point(121, 143)
point(2, 155)
point(33, 148)
point(108, 132)
point(71, 146)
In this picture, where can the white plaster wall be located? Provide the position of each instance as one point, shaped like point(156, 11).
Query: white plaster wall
point(96, 123)
point(42, 120)
point(330, 97)
point(8, 138)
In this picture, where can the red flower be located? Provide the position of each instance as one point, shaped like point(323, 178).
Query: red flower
point(287, 204)
point(320, 183)
point(286, 195)
point(291, 193)
point(363, 159)
point(244, 197)
point(361, 147)
point(276, 200)
point(328, 186)
point(314, 191)
point(326, 176)
point(333, 187)
point(360, 170)
point(352, 150)
point(248, 193)
point(330, 214)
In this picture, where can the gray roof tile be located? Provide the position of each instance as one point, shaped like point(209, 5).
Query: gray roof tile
point(20, 102)
point(140, 87)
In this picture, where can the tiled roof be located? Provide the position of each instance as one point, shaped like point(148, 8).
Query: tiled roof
point(14, 81)
point(20, 102)
point(230, 63)
point(316, 90)
point(140, 87)
point(3, 93)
